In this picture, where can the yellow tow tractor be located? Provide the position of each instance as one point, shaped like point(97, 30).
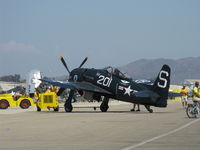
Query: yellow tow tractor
point(7, 100)
point(47, 101)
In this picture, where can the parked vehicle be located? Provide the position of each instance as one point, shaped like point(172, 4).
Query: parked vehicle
point(7, 100)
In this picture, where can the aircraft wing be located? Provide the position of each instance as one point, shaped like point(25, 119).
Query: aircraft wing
point(77, 85)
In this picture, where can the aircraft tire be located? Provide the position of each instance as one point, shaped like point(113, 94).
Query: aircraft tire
point(68, 108)
point(150, 110)
point(25, 104)
point(104, 108)
point(4, 104)
point(104, 105)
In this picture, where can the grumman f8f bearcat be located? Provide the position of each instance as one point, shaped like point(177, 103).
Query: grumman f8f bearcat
point(110, 83)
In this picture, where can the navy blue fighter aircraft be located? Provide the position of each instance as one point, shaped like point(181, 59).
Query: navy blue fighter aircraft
point(109, 83)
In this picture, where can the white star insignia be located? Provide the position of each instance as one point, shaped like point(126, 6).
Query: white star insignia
point(128, 90)
point(13, 93)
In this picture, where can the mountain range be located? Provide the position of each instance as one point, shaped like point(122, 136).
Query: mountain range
point(181, 69)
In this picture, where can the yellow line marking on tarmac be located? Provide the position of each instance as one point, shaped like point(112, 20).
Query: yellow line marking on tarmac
point(160, 136)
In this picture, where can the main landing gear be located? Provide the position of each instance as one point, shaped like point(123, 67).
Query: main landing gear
point(148, 108)
point(104, 105)
point(68, 104)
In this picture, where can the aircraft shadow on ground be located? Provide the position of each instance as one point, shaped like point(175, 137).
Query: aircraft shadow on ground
point(108, 112)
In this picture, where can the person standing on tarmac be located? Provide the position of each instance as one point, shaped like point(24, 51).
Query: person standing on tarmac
point(134, 105)
point(53, 89)
point(184, 96)
point(196, 93)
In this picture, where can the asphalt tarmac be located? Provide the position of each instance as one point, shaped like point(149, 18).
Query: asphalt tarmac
point(86, 129)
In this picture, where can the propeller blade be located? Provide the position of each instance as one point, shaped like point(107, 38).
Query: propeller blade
point(83, 62)
point(64, 63)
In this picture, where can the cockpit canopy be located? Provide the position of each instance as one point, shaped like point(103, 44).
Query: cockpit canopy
point(116, 72)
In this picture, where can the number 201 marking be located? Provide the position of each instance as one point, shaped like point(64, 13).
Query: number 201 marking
point(164, 80)
point(105, 81)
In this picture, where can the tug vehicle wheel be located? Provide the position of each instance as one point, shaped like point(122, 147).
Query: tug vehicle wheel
point(56, 109)
point(25, 104)
point(4, 104)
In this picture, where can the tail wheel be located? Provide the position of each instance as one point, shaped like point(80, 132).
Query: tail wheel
point(4, 104)
point(25, 104)
point(190, 112)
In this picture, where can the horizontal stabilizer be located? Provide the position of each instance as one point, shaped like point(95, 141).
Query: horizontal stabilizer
point(172, 94)
point(146, 94)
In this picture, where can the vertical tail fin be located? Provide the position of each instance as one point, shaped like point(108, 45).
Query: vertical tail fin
point(33, 81)
point(161, 85)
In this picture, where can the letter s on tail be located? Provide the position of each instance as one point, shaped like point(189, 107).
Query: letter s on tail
point(161, 85)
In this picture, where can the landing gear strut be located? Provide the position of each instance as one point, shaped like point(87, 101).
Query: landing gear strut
point(148, 108)
point(104, 105)
point(68, 104)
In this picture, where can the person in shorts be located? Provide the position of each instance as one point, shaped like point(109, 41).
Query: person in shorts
point(184, 96)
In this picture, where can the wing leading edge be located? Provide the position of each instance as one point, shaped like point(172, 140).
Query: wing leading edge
point(77, 85)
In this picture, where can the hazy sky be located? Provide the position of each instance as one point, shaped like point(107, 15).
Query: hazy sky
point(34, 33)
